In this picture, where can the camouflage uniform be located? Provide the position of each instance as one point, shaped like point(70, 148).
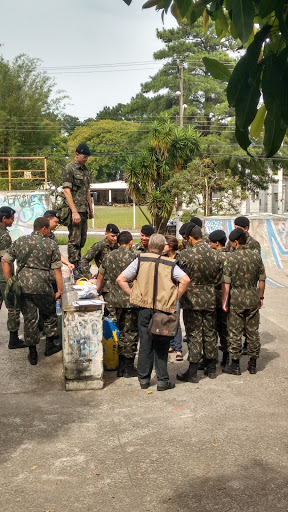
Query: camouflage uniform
point(140, 249)
point(36, 287)
point(78, 179)
point(198, 303)
point(221, 316)
point(242, 270)
point(114, 264)
point(13, 321)
point(97, 252)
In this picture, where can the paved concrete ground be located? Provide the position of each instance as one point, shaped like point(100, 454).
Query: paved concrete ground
point(219, 445)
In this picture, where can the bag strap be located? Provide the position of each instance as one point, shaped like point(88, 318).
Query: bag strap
point(27, 256)
point(155, 281)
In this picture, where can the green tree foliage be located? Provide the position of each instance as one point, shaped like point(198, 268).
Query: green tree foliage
point(29, 117)
point(110, 142)
point(148, 175)
point(262, 28)
point(201, 180)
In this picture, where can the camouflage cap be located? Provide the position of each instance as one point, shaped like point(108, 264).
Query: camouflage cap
point(196, 221)
point(112, 228)
point(243, 222)
point(182, 230)
point(147, 230)
point(51, 213)
point(6, 210)
point(189, 228)
point(83, 149)
point(218, 236)
point(238, 234)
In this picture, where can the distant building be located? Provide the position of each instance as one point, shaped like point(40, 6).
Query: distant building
point(109, 193)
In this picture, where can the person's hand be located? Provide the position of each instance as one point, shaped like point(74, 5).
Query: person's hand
point(76, 219)
point(91, 215)
point(71, 266)
point(225, 308)
point(58, 295)
point(260, 303)
point(93, 280)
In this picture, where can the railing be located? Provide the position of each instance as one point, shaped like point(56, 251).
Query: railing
point(28, 174)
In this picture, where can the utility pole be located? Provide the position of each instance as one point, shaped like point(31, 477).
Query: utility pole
point(181, 110)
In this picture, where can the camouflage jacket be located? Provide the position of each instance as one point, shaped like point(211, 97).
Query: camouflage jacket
point(97, 253)
point(77, 178)
point(112, 266)
point(5, 242)
point(51, 236)
point(242, 270)
point(204, 269)
point(252, 244)
point(140, 249)
point(34, 277)
point(222, 255)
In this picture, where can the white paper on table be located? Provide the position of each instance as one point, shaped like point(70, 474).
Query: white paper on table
point(88, 302)
point(81, 286)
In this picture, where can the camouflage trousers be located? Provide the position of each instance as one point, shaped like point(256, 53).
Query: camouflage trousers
point(45, 305)
point(222, 329)
point(13, 320)
point(127, 319)
point(77, 238)
point(200, 326)
point(108, 310)
point(238, 323)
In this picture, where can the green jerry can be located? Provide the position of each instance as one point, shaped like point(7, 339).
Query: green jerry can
point(110, 343)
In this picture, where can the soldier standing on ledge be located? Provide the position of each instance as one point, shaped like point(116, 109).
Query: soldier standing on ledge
point(13, 321)
point(127, 318)
point(76, 185)
point(37, 292)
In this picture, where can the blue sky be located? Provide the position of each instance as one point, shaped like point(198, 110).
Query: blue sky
point(85, 33)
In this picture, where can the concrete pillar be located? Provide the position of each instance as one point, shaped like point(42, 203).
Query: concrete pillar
point(110, 197)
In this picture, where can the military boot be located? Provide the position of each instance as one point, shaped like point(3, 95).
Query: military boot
point(225, 359)
point(233, 368)
point(33, 356)
point(129, 368)
point(203, 363)
point(121, 366)
point(210, 370)
point(51, 347)
point(15, 341)
point(190, 375)
point(252, 366)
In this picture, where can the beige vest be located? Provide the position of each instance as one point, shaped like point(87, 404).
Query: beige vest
point(167, 290)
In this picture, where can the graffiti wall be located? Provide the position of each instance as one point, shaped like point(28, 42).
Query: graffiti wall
point(271, 232)
point(28, 204)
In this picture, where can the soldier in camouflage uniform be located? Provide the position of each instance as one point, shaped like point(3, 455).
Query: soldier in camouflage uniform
point(113, 265)
point(37, 291)
point(76, 185)
point(198, 303)
point(97, 253)
point(218, 241)
point(145, 233)
point(252, 244)
point(13, 321)
point(53, 218)
point(242, 271)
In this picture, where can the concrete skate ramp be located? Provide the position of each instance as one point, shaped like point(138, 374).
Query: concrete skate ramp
point(271, 232)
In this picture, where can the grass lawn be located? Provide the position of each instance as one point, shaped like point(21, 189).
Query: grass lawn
point(122, 216)
point(63, 240)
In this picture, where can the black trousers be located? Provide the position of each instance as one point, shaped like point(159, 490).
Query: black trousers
point(151, 348)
